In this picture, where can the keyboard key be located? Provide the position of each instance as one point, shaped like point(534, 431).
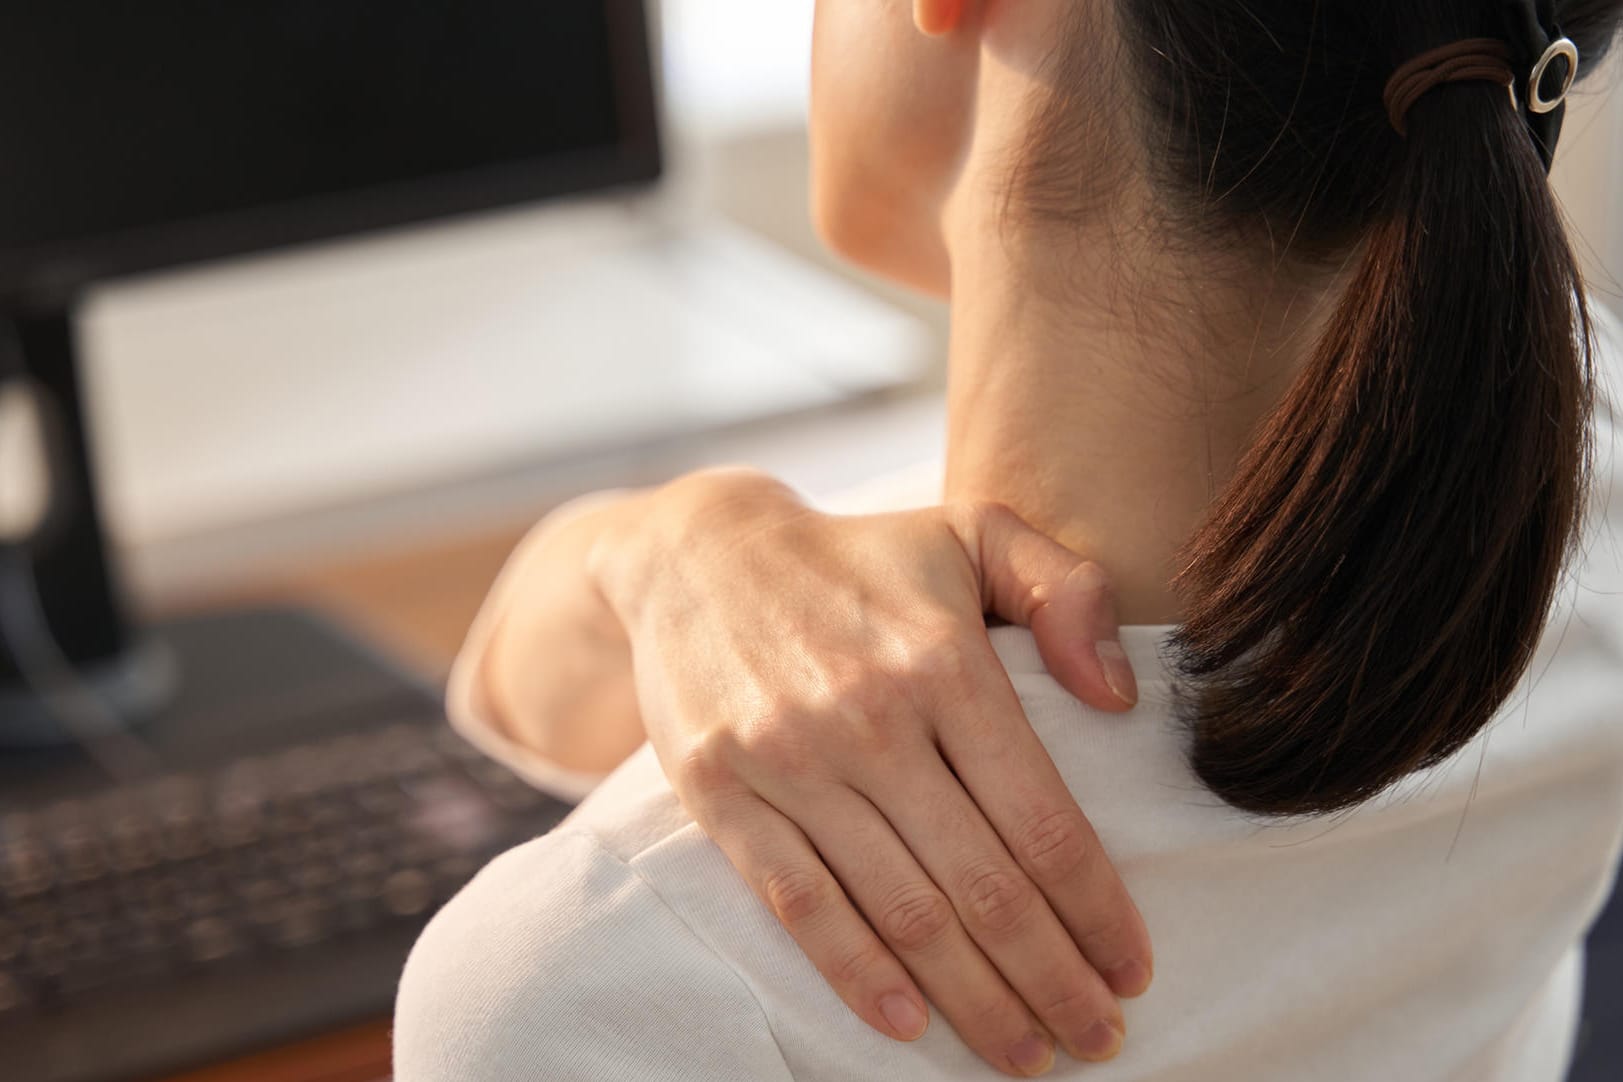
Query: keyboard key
point(408, 892)
point(25, 870)
point(268, 853)
point(14, 996)
point(303, 921)
point(210, 939)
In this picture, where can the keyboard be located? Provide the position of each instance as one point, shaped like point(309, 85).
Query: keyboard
point(239, 881)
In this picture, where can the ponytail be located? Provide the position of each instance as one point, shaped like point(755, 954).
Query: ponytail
point(1370, 586)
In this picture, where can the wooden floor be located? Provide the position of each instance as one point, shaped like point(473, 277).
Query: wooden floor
point(416, 603)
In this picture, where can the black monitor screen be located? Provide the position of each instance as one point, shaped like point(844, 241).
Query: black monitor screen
point(135, 133)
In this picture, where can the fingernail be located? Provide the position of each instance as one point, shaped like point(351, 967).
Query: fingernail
point(1118, 670)
point(1131, 978)
point(1032, 1054)
point(906, 1018)
point(1102, 1041)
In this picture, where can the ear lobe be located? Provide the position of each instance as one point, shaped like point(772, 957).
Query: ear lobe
point(937, 17)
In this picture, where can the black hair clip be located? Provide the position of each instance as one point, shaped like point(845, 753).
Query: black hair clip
point(1539, 50)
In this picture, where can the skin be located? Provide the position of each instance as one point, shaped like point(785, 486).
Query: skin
point(1091, 361)
point(822, 694)
point(820, 690)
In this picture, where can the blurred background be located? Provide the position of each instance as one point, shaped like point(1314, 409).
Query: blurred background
point(404, 385)
point(220, 419)
point(279, 406)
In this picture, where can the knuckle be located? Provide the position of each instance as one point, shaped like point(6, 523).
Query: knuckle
point(916, 919)
point(996, 898)
point(774, 742)
point(706, 767)
point(856, 701)
point(939, 663)
point(1092, 581)
point(1054, 845)
point(865, 710)
point(852, 965)
point(1077, 1001)
point(991, 1019)
point(797, 896)
point(1102, 934)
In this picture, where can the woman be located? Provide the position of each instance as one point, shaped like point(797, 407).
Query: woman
point(1267, 308)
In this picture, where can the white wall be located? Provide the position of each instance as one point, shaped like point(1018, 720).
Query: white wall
point(1589, 179)
point(739, 69)
point(737, 73)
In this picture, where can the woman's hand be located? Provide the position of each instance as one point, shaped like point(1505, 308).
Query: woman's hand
point(822, 694)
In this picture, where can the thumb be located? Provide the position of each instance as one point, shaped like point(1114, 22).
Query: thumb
point(1028, 578)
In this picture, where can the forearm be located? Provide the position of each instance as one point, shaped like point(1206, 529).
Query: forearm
point(547, 667)
point(547, 672)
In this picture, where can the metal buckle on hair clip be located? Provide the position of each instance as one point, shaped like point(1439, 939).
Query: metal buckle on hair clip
point(1535, 44)
point(1561, 48)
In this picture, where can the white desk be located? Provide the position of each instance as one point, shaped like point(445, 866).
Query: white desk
point(273, 401)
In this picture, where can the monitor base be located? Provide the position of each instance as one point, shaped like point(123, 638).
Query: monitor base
point(127, 690)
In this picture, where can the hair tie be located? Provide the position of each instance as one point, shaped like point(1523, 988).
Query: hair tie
point(1468, 61)
point(1533, 50)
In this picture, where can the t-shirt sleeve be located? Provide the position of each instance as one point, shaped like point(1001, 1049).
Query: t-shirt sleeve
point(559, 962)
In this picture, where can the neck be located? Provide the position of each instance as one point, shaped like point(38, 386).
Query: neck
point(1109, 415)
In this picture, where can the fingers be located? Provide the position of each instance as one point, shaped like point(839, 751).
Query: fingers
point(1030, 579)
point(1078, 637)
point(1001, 908)
point(1013, 782)
point(919, 924)
point(787, 874)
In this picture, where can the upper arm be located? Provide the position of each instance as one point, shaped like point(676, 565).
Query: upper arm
point(558, 962)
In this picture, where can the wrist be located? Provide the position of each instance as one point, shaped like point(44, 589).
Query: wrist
point(646, 536)
point(540, 606)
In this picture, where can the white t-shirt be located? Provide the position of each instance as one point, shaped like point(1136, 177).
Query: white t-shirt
point(1434, 933)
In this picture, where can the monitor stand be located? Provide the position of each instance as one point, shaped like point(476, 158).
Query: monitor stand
point(186, 688)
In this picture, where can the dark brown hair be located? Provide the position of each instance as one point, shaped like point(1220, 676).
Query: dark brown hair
point(1370, 585)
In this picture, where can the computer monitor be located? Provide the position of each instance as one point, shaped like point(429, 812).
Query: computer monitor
point(151, 135)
